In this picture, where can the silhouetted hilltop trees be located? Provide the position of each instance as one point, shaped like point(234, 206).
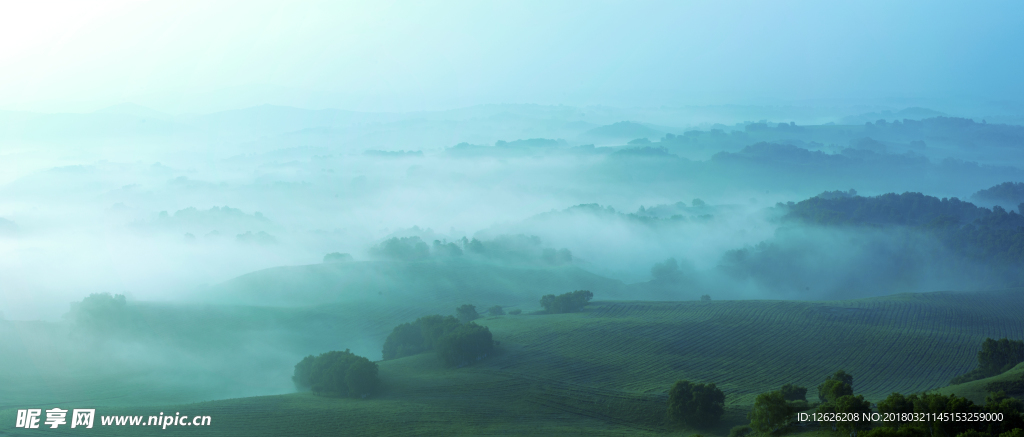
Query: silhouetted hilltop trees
point(992, 236)
point(402, 249)
point(518, 248)
point(394, 153)
point(1007, 193)
point(337, 373)
point(907, 209)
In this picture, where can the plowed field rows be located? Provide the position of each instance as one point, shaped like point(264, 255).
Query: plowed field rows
point(905, 343)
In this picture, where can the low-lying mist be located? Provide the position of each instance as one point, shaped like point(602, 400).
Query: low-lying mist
point(241, 247)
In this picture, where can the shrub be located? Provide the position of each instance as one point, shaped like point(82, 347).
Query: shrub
point(465, 344)
point(566, 303)
point(695, 405)
point(466, 313)
point(337, 373)
point(496, 311)
point(794, 392)
point(705, 298)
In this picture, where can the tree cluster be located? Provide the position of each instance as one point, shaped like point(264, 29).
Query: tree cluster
point(934, 403)
point(566, 303)
point(456, 344)
point(993, 236)
point(774, 411)
point(466, 313)
point(995, 357)
point(697, 405)
point(465, 344)
point(418, 337)
point(99, 312)
point(337, 373)
point(836, 394)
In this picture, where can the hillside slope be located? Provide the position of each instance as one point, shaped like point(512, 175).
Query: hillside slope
point(606, 371)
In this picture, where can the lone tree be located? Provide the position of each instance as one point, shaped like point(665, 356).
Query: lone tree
point(337, 373)
point(496, 311)
point(566, 303)
point(770, 413)
point(695, 405)
point(466, 313)
point(465, 344)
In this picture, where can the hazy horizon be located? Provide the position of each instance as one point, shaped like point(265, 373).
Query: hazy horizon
point(202, 57)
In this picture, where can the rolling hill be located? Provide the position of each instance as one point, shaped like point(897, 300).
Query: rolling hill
point(606, 371)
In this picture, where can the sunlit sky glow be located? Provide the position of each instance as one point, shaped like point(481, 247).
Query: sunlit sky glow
point(185, 56)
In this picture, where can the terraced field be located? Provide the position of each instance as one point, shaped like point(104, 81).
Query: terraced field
point(606, 371)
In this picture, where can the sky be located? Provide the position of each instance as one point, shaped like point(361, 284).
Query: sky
point(185, 56)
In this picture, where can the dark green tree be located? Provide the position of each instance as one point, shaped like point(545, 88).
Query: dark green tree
point(337, 373)
point(417, 337)
point(835, 386)
point(496, 311)
point(696, 405)
point(303, 371)
point(1010, 408)
point(898, 404)
point(361, 378)
point(933, 403)
point(847, 404)
point(405, 340)
point(998, 356)
point(831, 389)
point(466, 313)
point(566, 303)
point(465, 344)
point(770, 413)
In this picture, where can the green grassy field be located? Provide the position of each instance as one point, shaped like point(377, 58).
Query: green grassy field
point(606, 371)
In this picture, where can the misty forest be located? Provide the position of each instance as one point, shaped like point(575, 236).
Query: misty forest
point(496, 266)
